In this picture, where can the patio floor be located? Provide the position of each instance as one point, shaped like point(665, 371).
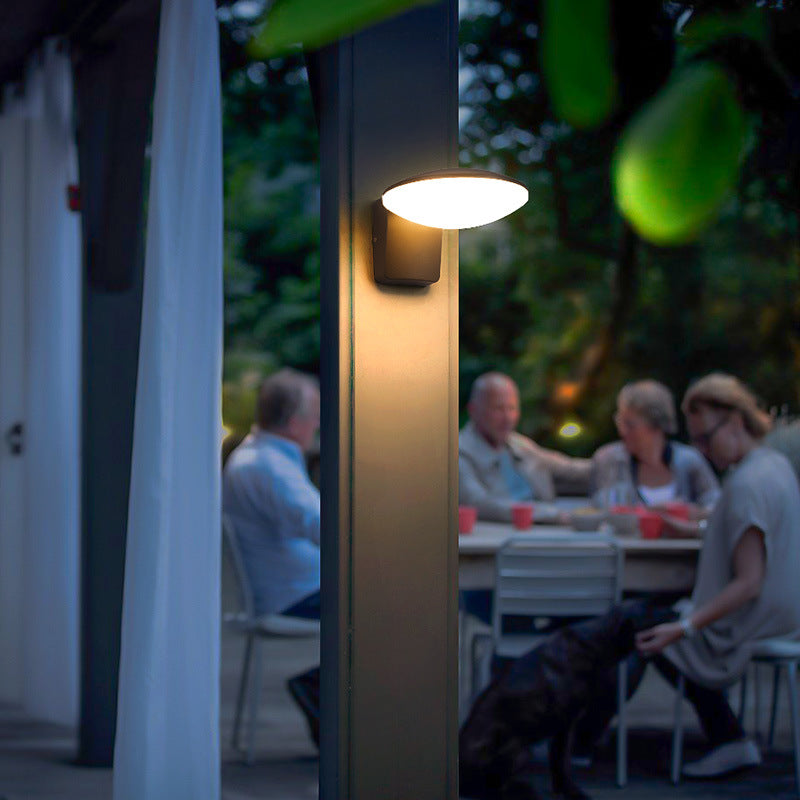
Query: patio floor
point(35, 757)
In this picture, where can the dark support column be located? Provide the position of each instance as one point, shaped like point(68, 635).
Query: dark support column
point(388, 103)
point(114, 83)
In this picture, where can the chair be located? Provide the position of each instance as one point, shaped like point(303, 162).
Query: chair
point(254, 629)
point(780, 654)
point(546, 578)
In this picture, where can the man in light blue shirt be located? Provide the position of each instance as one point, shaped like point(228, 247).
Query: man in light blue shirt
point(274, 510)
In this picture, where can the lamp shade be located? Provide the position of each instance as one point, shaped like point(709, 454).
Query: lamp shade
point(455, 198)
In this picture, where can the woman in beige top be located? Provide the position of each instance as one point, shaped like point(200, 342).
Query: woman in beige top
point(746, 586)
point(646, 466)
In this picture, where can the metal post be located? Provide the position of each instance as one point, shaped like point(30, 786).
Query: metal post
point(388, 104)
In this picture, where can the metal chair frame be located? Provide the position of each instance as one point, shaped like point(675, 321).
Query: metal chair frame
point(254, 629)
point(552, 577)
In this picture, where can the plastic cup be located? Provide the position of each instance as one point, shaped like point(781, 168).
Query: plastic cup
point(651, 525)
point(679, 510)
point(467, 516)
point(522, 515)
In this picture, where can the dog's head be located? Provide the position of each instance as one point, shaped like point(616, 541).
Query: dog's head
point(612, 636)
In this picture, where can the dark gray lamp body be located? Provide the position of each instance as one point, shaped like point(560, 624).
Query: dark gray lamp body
point(404, 253)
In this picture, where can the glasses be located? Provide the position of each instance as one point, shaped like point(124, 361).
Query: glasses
point(703, 440)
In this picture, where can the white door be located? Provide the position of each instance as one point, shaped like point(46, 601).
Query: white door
point(13, 379)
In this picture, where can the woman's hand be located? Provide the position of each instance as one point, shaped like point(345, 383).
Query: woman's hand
point(654, 640)
point(675, 527)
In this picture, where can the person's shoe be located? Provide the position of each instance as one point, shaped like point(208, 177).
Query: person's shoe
point(305, 694)
point(582, 760)
point(726, 758)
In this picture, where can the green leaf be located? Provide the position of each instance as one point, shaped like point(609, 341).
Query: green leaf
point(313, 23)
point(703, 31)
point(678, 160)
point(577, 60)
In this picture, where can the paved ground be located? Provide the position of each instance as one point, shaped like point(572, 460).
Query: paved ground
point(35, 757)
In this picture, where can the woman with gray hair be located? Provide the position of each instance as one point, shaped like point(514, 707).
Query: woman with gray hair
point(647, 467)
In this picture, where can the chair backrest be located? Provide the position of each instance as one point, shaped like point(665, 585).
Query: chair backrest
point(542, 578)
point(234, 554)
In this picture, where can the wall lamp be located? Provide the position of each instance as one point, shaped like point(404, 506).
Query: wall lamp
point(408, 220)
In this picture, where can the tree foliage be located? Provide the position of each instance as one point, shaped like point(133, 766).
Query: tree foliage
point(563, 295)
point(587, 304)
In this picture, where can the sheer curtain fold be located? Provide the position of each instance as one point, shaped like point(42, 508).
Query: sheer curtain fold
point(50, 557)
point(167, 743)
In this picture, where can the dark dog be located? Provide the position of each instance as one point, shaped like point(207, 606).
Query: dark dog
point(540, 696)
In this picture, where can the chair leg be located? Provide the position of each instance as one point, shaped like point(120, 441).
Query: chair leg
point(742, 698)
point(677, 733)
point(757, 702)
point(237, 719)
point(255, 691)
point(622, 726)
point(791, 674)
point(776, 679)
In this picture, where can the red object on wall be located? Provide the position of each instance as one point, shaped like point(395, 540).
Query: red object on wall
point(74, 197)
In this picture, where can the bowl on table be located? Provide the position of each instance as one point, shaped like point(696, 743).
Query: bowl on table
point(624, 523)
point(587, 519)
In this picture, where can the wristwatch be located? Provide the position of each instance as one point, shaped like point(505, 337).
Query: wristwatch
point(687, 627)
point(702, 524)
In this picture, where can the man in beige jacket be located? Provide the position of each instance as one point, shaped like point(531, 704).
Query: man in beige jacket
point(499, 467)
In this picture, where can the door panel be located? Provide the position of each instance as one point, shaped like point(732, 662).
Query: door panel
point(13, 354)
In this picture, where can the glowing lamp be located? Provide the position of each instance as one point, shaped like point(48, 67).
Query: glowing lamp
point(409, 219)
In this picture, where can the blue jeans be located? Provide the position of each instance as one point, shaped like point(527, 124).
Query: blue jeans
point(307, 608)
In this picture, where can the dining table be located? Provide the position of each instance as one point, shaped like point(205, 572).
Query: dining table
point(649, 565)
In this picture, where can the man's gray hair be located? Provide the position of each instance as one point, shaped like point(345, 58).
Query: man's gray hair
point(486, 382)
point(283, 395)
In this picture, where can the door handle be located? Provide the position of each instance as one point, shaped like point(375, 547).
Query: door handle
point(15, 439)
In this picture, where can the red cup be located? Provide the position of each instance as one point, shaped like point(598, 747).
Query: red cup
point(651, 525)
point(467, 516)
point(522, 515)
point(679, 510)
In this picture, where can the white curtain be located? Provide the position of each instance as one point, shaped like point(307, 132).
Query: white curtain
point(167, 745)
point(50, 556)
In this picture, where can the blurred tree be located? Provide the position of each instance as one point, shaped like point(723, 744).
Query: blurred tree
point(271, 213)
point(586, 304)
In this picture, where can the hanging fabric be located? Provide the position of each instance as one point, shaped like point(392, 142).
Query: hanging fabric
point(167, 743)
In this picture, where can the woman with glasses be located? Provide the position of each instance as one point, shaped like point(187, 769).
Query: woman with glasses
point(647, 467)
point(746, 586)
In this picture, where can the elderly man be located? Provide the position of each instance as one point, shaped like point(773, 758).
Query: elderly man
point(499, 467)
point(274, 508)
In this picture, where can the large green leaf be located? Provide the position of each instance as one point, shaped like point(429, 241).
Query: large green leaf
point(313, 23)
point(678, 161)
point(577, 60)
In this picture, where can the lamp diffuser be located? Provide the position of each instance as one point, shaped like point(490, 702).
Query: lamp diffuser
point(455, 198)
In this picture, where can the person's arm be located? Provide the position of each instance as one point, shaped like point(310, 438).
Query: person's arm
point(472, 492)
point(297, 501)
point(574, 474)
point(677, 528)
point(749, 569)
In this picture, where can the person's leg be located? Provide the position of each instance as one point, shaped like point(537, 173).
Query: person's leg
point(720, 724)
point(307, 608)
point(304, 688)
point(730, 749)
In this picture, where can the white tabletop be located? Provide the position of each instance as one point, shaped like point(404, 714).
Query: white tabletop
point(489, 537)
point(649, 564)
